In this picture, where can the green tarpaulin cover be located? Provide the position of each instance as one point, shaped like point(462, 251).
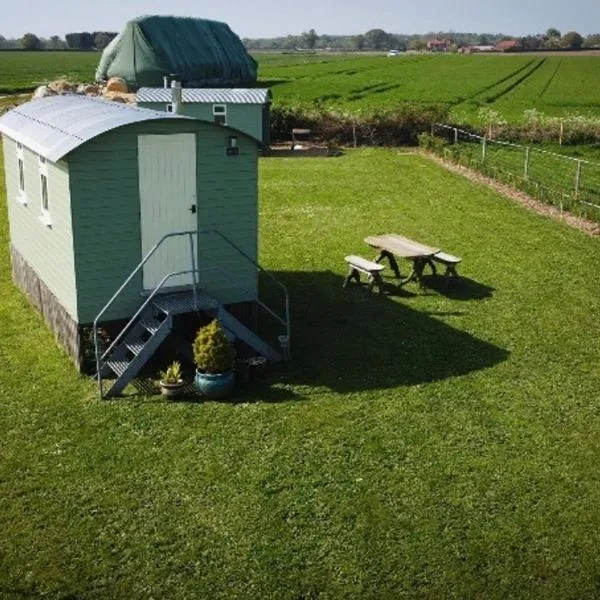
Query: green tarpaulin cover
point(201, 53)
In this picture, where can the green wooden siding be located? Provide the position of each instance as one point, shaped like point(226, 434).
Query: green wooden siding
point(243, 117)
point(106, 215)
point(48, 250)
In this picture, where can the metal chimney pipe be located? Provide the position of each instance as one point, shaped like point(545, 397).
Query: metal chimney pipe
point(166, 81)
point(176, 96)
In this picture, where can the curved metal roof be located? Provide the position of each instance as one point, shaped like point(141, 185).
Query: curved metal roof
point(54, 126)
point(207, 95)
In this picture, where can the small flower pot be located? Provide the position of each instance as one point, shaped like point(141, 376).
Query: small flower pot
point(171, 390)
point(215, 385)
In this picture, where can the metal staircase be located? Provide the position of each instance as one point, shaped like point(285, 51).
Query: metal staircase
point(153, 322)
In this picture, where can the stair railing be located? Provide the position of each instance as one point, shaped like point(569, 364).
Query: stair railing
point(135, 317)
point(285, 320)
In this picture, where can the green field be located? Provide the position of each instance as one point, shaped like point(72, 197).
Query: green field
point(22, 71)
point(430, 444)
point(555, 85)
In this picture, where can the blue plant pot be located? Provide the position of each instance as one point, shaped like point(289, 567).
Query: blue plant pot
point(215, 385)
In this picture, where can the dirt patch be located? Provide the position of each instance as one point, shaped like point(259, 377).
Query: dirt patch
point(588, 227)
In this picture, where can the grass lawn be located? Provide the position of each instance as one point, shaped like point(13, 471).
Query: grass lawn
point(427, 444)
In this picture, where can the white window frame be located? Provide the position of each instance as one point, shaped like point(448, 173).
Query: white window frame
point(45, 216)
point(21, 195)
point(220, 110)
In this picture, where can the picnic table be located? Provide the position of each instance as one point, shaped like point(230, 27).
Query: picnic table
point(391, 245)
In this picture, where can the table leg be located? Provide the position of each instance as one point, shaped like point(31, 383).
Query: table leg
point(392, 260)
point(416, 273)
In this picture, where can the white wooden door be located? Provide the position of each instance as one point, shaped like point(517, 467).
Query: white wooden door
point(168, 203)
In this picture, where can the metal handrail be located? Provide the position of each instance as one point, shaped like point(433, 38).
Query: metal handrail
point(286, 294)
point(136, 315)
point(285, 321)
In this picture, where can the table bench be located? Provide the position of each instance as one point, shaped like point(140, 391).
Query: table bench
point(358, 265)
point(449, 261)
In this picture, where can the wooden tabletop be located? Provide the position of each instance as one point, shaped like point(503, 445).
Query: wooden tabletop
point(400, 246)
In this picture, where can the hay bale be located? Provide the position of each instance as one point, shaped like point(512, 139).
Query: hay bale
point(62, 86)
point(120, 97)
point(92, 90)
point(42, 92)
point(116, 84)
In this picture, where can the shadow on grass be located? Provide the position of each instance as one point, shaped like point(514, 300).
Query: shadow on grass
point(458, 288)
point(349, 340)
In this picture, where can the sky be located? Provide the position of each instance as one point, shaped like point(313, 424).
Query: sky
point(272, 18)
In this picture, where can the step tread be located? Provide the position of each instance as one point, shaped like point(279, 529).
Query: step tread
point(117, 366)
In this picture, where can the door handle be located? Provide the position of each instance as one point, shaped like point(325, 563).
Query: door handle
point(193, 209)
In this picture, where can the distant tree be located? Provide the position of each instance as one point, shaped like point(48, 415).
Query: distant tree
point(484, 40)
point(377, 39)
point(417, 44)
point(591, 41)
point(31, 41)
point(80, 41)
point(103, 39)
point(572, 40)
point(309, 39)
point(358, 41)
point(56, 43)
point(553, 33)
point(531, 42)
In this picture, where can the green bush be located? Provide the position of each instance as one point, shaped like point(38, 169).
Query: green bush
point(213, 353)
point(398, 127)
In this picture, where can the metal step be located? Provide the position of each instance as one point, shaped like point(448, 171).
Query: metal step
point(183, 302)
point(127, 370)
point(118, 367)
point(150, 325)
point(135, 347)
point(231, 324)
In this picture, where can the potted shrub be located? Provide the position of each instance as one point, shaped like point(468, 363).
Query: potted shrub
point(171, 382)
point(215, 358)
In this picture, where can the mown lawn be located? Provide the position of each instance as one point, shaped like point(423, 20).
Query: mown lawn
point(428, 444)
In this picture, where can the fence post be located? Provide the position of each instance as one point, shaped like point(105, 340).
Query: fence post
point(483, 148)
point(526, 170)
point(578, 178)
point(455, 135)
point(562, 133)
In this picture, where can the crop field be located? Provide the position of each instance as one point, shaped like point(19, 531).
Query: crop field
point(23, 71)
point(509, 84)
point(554, 85)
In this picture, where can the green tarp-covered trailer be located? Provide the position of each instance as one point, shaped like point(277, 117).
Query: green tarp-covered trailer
point(201, 53)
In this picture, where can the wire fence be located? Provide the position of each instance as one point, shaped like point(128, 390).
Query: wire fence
point(569, 183)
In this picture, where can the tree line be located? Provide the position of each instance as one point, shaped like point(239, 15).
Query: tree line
point(378, 39)
point(84, 40)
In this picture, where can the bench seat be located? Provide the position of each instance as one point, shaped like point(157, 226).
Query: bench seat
point(449, 261)
point(358, 265)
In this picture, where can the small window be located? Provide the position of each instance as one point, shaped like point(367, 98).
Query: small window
point(220, 114)
point(21, 197)
point(21, 176)
point(169, 108)
point(44, 195)
point(44, 184)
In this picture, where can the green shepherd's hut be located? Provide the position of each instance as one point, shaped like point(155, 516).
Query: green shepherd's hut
point(125, 216)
